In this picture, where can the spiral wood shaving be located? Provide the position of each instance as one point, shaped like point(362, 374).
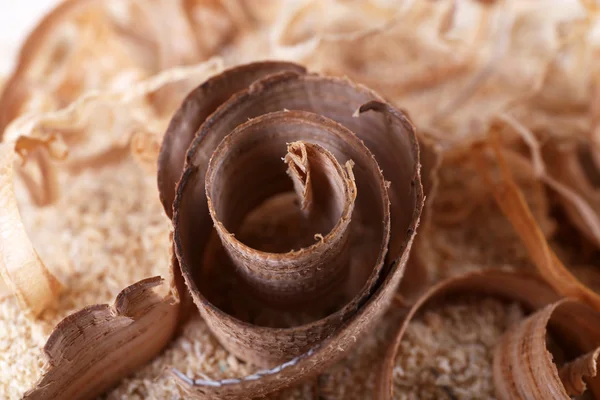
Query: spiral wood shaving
point(232, 165)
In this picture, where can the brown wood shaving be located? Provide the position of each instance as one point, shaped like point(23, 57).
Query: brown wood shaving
point(85, 350)
point(524, 368)
point(572, 373)
point(511, 202)
point(304, 347)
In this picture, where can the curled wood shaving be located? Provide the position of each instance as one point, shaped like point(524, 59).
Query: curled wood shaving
point(91, 349)
point(521, 287)
point(524, 368)
point(572, 373)
point(565, 174)
point(40, 177)
point(21, 268)
point(85, 45)
point(233, 165)
point(198, 105)
point(39, 152)
point(28, 125)
point(145, 148)
point(35, 129)
point(311, 273)
point(56, 147)
point(514, 207)
point(328, 22)
point(578, 194)
point(299, 171)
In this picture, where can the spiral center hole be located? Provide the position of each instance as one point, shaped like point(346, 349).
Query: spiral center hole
point(255, 200)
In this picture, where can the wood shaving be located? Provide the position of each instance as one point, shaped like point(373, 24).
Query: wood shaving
point(105, 78)
point(448, 350)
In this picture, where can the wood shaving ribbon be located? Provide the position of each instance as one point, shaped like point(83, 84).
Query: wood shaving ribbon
point(574, 170)
point(21, 268)
point(523, 367)
point(291, 296)
point(513, 205)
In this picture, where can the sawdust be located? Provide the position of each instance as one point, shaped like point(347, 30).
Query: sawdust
point(356, 376)
point(195, 352)
point(448, 350)
point(20, 356)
